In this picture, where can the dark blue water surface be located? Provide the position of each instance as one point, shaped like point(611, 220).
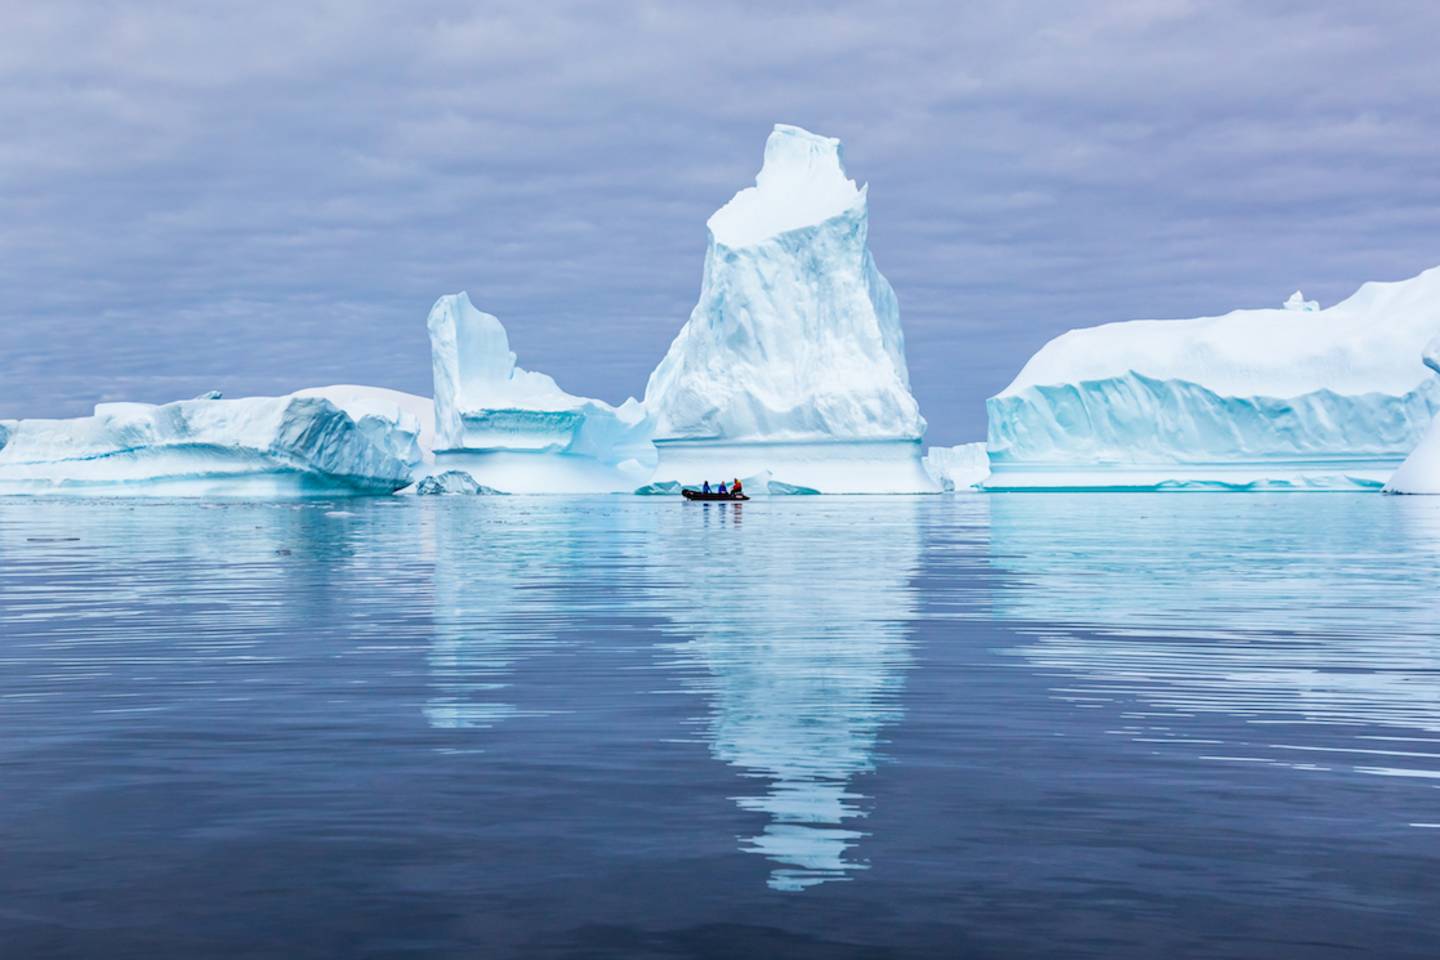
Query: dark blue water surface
point(1008, 726)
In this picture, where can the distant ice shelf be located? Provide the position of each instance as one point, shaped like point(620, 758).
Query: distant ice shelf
point(1292, 399)
point(958, 468)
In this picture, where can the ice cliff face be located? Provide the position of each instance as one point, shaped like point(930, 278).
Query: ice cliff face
point(958, 468)
point(401, 423)
point(794, 349)
point(1254, 398)
point(1420, 473)
point(517, 430)
point(258, 446)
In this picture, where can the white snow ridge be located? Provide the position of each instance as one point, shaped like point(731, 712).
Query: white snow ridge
point(793, 360)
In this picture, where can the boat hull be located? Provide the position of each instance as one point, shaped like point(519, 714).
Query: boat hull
point(697, 495)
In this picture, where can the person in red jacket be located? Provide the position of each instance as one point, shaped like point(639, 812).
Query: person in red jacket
point(735, 487)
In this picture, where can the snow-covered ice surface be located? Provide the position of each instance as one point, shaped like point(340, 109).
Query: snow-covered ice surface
point(1254, 399)
point(258, 446)
point(958, 468)
point(793, 360)
point(1420, 473)
point(516, 430)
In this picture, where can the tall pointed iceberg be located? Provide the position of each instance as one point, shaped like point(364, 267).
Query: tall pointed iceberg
point(793, 360)
point(1296, 398)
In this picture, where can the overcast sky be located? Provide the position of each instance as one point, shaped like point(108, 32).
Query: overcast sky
point(257, 197)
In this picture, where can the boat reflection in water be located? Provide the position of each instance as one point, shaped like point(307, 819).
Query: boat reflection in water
point(793, 627)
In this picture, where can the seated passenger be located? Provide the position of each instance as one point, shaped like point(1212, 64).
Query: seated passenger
point(706, 488)
point(735, 487)
point(722, 488)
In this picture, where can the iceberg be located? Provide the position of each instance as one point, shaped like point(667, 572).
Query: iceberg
point(1254, 399)
point(1420, 473)
point(257, 446)
point(958, 468)
point(451, 483)
point(516, 430)
point(793, 360)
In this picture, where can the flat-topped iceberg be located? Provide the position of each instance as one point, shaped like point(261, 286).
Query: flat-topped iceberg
point(257, 446)
point(793, 360)
point(1284, 398)
point(516, 430)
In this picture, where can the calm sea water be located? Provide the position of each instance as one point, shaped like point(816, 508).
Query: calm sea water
point(1008, 726)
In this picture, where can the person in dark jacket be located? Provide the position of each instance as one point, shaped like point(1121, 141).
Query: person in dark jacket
point(706, 488)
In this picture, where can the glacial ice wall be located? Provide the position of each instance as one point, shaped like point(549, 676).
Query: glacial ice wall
point(793, 359)
point(516, 430)
point(258, 446)
point(402, 422)
point(1420, 473)
point(1287, 398)
point(962, 467)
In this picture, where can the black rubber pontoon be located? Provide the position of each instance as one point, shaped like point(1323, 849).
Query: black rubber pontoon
point(697, 495)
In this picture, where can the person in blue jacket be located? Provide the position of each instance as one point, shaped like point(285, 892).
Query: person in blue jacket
point(706, 488)
point(722, 488)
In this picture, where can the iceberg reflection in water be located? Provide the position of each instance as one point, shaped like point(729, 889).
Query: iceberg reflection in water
point(1232, 609)
point(795, 629)
point(508, 576)
point(481, 629)
point(1126, 725)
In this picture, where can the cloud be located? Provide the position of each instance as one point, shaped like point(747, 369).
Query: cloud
point(261, 198)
